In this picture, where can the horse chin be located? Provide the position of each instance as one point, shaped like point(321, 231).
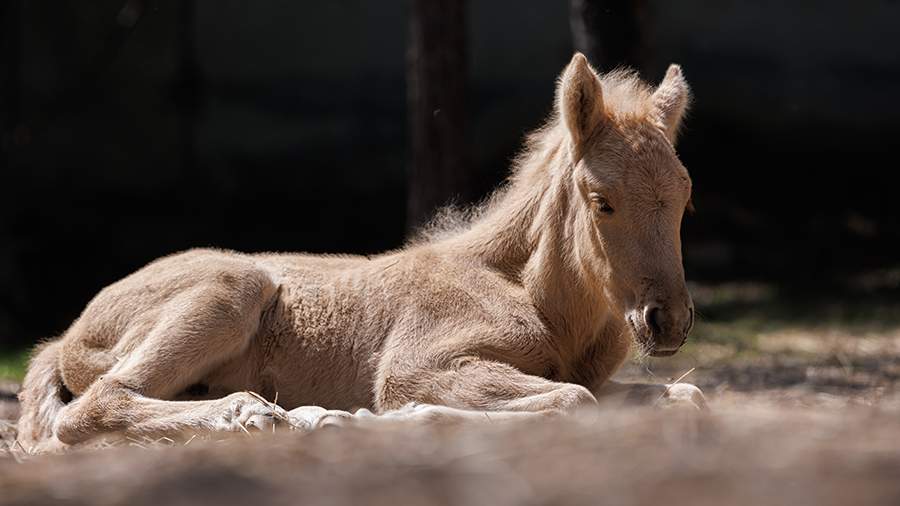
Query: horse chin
point(641, 339)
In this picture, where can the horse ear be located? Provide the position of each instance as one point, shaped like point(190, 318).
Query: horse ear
point(579, 100)
point(671, 100)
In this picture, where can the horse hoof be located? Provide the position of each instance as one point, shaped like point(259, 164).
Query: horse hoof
point(683, 395)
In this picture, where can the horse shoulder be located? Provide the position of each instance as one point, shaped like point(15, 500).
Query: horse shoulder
point(455, 308)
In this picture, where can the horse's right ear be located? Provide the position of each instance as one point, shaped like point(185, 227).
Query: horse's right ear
point(579, 101)
point(671, 100)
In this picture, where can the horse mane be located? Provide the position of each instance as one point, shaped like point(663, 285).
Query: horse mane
point(625, 97)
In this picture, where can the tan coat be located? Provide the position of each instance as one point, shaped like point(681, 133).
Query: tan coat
point(527, 307)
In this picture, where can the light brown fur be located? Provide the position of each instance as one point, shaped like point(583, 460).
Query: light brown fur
point(527, 308)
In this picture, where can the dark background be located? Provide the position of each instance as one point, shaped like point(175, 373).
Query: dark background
point(282, 125)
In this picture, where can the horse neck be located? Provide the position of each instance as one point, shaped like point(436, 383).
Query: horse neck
point(528, 236)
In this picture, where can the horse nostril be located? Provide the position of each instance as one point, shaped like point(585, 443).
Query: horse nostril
point(690, 324)
point(651, 318)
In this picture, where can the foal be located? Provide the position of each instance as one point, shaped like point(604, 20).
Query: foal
point(527, 309)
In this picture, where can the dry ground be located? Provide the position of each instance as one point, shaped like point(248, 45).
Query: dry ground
point(805, 410)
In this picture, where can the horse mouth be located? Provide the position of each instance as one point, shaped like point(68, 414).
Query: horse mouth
point(646, 341)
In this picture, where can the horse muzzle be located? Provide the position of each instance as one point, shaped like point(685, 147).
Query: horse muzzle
point(660, 330)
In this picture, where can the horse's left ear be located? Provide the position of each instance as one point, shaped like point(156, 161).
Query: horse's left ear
point(579, 100)
point(671, 100)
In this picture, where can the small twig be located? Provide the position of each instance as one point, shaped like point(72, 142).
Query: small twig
point(12, 451)
point(278, 413)
point(26, 451)
point(272, 406)
point(845, 362)
point(685, 375)
point(135, 442)
point(189, 440)
point(647, 369)
point(274, 403)
point(244, 428)
point(164, 438)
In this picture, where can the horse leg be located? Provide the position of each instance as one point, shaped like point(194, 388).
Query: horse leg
point(651, 394)
point(522, 401)
point(314, 417)
point(468, 388)
point(195, 335)
point(472, 390)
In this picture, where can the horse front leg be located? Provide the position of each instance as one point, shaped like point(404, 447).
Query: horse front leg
point(473, 385)
point(466, 390)
point(663, 395)
point(607, 356)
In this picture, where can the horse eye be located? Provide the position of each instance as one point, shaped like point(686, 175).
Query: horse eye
point(602, 204)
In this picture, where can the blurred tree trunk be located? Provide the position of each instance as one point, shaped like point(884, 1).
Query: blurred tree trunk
point(611, 33)
point(436, 77)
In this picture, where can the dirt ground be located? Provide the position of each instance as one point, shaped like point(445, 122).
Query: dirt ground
point(781, 456)
point(780, 431)
point(801, 413)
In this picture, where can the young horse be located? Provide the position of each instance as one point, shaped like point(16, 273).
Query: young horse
point(527, 309)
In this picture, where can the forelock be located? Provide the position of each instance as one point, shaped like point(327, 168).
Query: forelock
point(625, 96)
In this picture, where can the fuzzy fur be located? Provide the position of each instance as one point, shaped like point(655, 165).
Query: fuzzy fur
point(524, 306)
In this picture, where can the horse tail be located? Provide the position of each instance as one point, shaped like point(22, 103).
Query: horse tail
point(43, 396)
